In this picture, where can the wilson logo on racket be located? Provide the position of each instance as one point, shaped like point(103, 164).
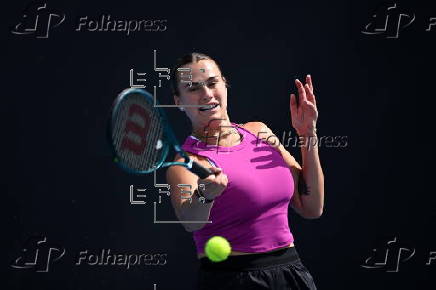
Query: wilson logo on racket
point(133, 127)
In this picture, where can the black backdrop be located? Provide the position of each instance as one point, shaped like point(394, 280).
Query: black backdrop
point(63, 190)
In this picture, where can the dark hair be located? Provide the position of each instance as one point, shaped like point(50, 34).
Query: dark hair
point(187, 59)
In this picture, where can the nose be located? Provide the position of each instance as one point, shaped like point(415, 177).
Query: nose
point(207, 93)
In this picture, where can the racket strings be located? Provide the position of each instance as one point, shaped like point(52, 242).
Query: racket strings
point(155, 140)
point(146, 136)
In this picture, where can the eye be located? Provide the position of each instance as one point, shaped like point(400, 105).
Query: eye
point(212, 84)
point(193, 88)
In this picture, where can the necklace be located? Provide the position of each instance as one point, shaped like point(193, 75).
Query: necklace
point(231, 131)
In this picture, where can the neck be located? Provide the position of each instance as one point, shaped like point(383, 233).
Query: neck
point(224, 135)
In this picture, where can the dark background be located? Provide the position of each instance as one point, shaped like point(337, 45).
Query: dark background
point(60, 183)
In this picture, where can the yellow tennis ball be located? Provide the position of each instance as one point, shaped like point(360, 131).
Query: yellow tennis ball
point(217, 249)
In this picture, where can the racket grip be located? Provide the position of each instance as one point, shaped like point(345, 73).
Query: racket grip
point(201, 171)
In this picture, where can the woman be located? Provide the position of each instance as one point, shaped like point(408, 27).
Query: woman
point(252, 185)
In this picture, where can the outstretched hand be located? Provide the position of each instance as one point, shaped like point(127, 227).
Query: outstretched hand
point(304, 114)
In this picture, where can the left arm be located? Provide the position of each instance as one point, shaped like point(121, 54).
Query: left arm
point(304, 115)
point(308, 197)
point(311, 180)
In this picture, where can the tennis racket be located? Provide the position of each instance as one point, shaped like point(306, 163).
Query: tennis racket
point(141, 137)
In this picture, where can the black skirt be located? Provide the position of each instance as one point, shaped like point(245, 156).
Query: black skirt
point(278, 270)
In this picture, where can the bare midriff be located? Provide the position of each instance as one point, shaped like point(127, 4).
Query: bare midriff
point(235, 253)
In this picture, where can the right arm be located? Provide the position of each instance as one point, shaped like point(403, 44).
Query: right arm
point(192, 209)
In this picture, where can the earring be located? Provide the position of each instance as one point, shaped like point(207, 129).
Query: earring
point(181, 109)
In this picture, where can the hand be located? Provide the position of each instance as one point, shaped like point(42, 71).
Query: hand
point(305, 115)
point(214, 184)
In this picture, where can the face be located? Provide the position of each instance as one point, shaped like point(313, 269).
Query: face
point(208, 88)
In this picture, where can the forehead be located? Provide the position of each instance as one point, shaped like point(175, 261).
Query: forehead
point(202, 70)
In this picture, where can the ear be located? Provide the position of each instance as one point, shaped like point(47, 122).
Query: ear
point(176, 99)
point(225, 81)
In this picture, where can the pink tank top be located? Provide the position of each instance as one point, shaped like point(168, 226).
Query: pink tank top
point(252, 212)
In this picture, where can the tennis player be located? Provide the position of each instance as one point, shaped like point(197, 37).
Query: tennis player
point(254, 182)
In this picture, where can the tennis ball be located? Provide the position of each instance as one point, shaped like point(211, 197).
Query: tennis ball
point(217, 249)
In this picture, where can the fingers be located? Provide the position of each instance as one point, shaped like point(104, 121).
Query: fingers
point(215, 184)
point(309, 94)
point(217, 177)
point(309, 82)
point(305, 92)
point(301, 91)
point(215, 170)
point(309, 89)
point(222, 179)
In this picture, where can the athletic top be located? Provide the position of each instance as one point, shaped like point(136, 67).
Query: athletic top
point(252, 212)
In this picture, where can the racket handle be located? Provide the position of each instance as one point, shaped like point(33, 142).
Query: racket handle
point(201, 171)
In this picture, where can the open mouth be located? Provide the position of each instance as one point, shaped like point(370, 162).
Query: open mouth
point(208, 107)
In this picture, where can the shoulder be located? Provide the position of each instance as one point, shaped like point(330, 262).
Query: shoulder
point(256, 127)
point(253, 125)
point(263, 132)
